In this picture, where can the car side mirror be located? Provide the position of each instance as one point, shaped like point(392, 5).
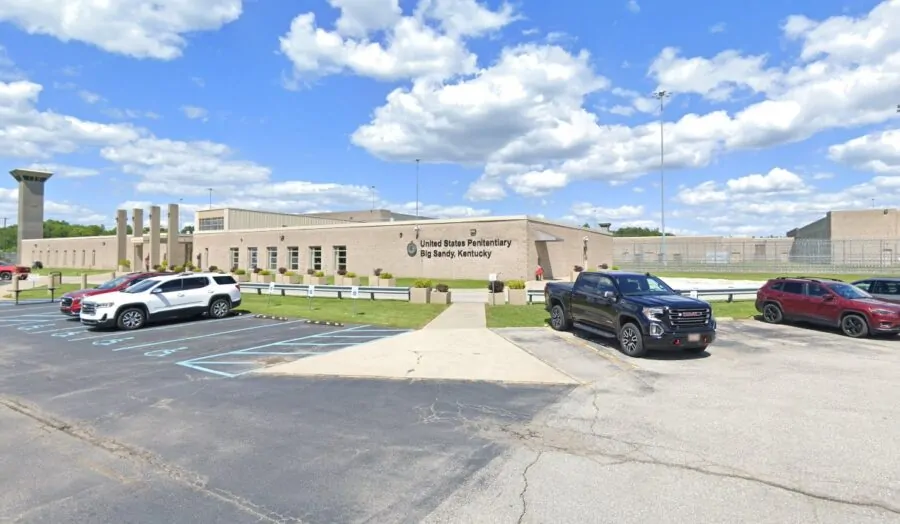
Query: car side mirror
point(157, 291)
point(609, 294)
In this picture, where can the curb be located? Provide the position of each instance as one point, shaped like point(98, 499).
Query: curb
point(322, 323)
point(271, 317)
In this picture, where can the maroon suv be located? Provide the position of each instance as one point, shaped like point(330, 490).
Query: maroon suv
point(70, 303)
point(827, 302)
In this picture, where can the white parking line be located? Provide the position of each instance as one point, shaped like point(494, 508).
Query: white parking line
point(169, 326)
point(208, 335)
point(73, 327)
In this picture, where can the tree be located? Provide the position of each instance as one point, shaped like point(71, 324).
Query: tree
point(187, 230)
point(631, 231)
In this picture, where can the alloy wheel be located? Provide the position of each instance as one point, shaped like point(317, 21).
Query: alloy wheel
point(853, 326)
point(556, 317)
point(630, 339)
point(771, 313)
point(132, 319)
point(220, 309)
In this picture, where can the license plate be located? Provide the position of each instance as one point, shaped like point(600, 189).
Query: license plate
point(694, 338)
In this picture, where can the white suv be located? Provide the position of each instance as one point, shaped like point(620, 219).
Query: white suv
point(165, 297)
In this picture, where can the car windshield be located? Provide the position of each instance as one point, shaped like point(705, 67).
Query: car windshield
point(114, 283)
point(631, 285)
point(141, 287)
point(848, 291)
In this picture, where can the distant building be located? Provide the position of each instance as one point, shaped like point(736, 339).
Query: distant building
point(694, 251)
point(865, 238)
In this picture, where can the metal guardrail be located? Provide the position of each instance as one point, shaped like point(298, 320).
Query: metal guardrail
point(303, 289)
point(700, 293)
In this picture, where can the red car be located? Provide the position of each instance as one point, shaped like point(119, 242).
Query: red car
point(70, 303)
point(826, 302)
point(8, 270)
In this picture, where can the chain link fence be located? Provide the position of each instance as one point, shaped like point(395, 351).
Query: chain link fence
point(758, 255)
point(9, 256)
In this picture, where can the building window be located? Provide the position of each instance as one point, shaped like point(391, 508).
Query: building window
point(272, 258)
point(211, 224)
point(294, 258)
point(93, 257)
point(252, 257)
point(65, 259)
point(83, 257)
point(315, 258)
point(74, 258)
point(234, 255)
point(340, 257)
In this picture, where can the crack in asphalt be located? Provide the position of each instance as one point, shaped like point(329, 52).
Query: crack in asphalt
point(182, 476)
point(524, 492)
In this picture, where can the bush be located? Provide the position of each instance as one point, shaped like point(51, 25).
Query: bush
point(256, 270)
point(157, 268)
point(282, 270)
point(376, 271)
point(238, 271)
point(442, 288)
point(516, 284)
point(290, 273)
point(422, 283)
point(319, 274)
point(37, 265)
point(164, 263)
point(604, 266)
point(265, 272)
point(310, 271)
point(615, 268)
point(495, 286)
point(125, 263)
point(578, 269)
point(213, 269)
point(386, 276)
point(350, 274)
point(341, 272)
point(234, 269)
point(177, 269)
point(188, 266)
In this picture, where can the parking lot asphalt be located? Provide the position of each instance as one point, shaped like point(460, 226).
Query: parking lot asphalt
point(166, 424)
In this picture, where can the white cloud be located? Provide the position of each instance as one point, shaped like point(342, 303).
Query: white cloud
point(633, 6)
point(65, 171)
point(526, 111)
point(195, 113)
point(70, 212)
point(89, 96)
point(718, 28)
point(585, 212)
point(876, 152)
point(138, 28)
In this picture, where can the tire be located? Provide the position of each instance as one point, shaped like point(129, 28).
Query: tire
point(131, 318)
point(773, 314)
point(631, 341)
point(219, 308)
point(558, 319)
point(6, 275)
point(854, 326)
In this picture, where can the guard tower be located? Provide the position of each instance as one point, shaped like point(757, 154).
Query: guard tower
point(31, 204)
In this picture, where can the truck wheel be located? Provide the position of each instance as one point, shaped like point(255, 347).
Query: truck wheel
point(854, 326)
point(631, 341)
point(6, 275)
point(219, 308)
point(558, 320)
point(772, 314)
point(131, 319)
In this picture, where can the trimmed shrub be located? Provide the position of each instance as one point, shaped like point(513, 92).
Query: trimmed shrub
point(442, 288)
point(386, 276)
point(239, 272)
point(282, 270)
point(350, 274)
point(376, 271)
point(422, 283)
point(516, 284)
point(495, 286)
point(578, 269)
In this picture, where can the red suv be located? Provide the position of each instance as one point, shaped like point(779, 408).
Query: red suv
point(827, 302)
point(70, 303)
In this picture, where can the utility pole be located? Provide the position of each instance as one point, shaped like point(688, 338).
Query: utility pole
point(417, 188)
point(662, 95)
point(210, 196)
point(4, 222)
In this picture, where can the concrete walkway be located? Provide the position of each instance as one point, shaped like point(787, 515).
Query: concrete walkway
point(460, 315)
point(454, 346)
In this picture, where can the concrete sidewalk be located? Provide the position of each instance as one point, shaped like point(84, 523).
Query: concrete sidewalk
point(454, 346)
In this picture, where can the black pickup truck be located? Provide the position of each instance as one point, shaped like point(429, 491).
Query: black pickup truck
point(638, 309)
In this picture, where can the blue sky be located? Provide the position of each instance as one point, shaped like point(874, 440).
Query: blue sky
point(524, 108)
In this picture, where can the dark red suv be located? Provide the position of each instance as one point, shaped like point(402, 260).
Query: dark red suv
point(827, 302)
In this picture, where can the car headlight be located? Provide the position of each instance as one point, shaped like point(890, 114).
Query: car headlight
point(882, 312)
point(654, 313)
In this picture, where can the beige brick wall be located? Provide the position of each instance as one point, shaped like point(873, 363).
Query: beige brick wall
point(84, 252)
point(559, 258)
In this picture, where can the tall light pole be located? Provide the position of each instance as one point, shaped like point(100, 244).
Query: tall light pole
point(210, 196)
point(417, 188)
point(662, 95)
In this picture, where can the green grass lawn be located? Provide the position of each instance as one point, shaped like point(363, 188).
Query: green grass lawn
point(760, 276)
point(535, 316)
point(394, 313)
point(70, 272)
point(28, 292)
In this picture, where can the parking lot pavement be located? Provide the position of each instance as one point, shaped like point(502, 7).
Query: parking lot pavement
point(775, 424)
point(106, 427)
